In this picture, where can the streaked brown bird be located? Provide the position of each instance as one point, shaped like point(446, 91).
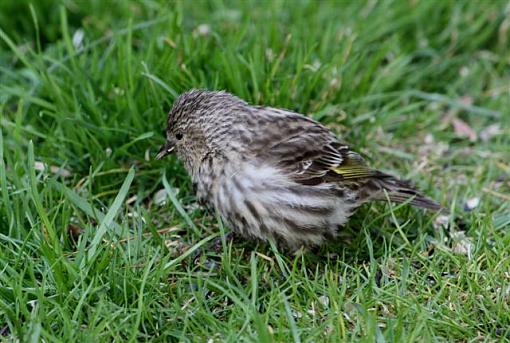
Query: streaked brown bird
point(273, 174)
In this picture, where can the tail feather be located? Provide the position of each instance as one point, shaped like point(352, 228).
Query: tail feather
point(401, 191)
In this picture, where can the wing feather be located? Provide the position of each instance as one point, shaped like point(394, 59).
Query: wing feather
point(308, 151)
point(310, 154)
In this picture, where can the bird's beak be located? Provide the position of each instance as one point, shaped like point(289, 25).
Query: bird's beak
point(166, 149)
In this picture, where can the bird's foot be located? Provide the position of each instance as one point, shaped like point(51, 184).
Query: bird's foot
point(217, 245)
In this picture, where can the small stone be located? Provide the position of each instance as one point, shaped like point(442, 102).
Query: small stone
point(160, 197)
point(202, 30)
point(464, 71)
point(441, 221)
point(461, 244)
point(471, 204)
point(324, 300)
point(78, 39)
point(39, 166)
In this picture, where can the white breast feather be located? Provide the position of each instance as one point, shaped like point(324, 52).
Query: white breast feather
point(257, 186)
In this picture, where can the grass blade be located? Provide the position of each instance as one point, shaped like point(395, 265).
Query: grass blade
point(178, 206)
point(84, 205)
point(107, 221)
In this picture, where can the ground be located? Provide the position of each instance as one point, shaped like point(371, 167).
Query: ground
point(100, 242)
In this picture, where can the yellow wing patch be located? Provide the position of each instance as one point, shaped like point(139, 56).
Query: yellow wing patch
point(353, 167)
point(353, 171)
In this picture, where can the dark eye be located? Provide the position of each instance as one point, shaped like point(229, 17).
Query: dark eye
point(178, 135)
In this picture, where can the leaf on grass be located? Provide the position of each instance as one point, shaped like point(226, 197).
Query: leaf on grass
point(40, 166)
point(458, 243)
point(131, 199)
point(462, 129)
point(490, 131)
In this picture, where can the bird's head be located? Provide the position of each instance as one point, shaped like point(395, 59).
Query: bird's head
point(199, 123)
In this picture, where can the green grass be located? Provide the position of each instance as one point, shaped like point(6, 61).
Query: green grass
point(390, 77)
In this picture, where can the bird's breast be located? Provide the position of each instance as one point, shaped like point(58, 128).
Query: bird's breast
point(260, 201)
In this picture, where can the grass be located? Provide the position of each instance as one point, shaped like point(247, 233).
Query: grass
point(88, 252)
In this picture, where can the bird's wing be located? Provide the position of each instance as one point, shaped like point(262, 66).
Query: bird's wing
point(332, 161)
point(308, 152)
point(311, 155)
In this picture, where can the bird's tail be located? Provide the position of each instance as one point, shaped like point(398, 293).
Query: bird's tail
point(401, 191)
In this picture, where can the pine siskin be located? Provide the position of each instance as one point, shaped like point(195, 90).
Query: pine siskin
point(272, 173)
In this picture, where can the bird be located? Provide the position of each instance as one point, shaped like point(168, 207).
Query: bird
point(273, 174)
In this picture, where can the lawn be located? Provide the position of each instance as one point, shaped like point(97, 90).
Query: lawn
point(100, 242)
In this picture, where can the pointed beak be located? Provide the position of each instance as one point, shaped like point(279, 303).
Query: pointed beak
point(166, 149)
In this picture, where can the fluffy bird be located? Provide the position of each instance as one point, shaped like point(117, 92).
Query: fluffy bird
point(274, 174)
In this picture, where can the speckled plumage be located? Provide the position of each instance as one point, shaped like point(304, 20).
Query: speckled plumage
point(272, 173)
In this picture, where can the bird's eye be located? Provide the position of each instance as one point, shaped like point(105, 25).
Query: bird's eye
point(178, 135)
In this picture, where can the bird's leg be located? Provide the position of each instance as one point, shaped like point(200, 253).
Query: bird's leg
point(216, 244)
point(302, 250)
